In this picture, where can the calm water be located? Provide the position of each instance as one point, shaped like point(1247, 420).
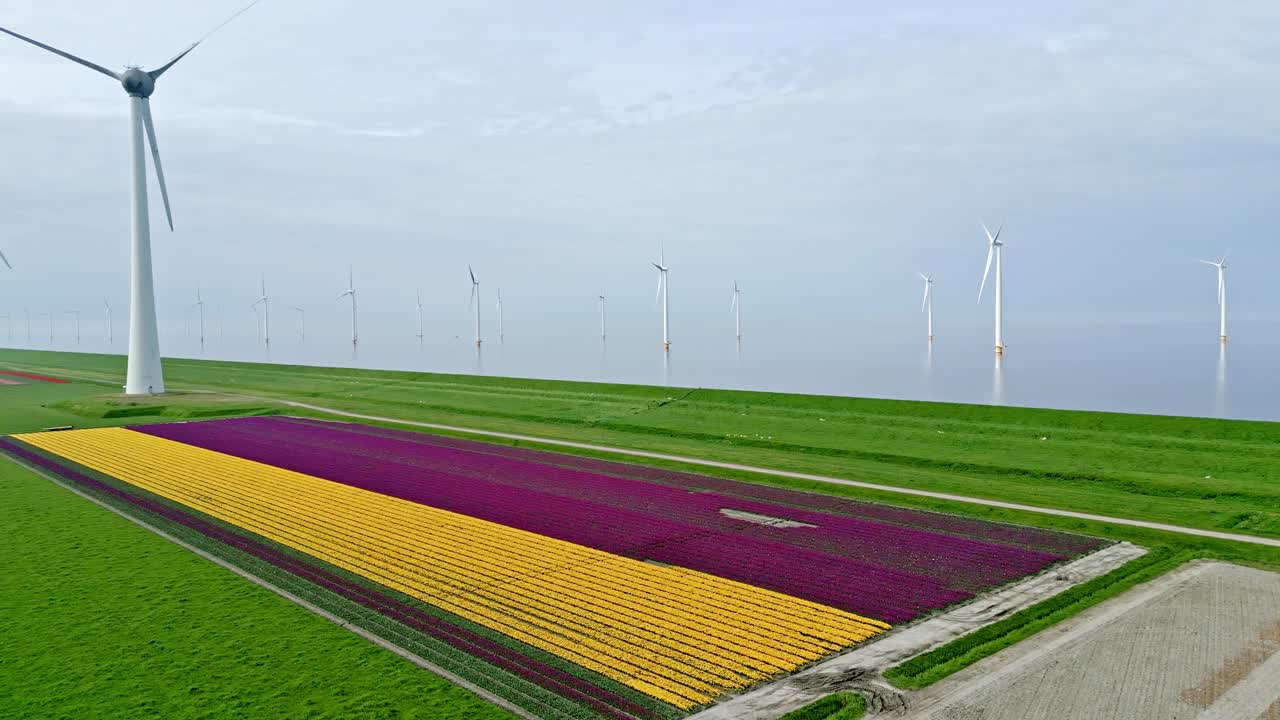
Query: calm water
point(1177, 369)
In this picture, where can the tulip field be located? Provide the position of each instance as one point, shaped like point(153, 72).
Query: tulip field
point(567, 586)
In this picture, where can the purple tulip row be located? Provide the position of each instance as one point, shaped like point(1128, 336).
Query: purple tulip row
point(880, 569)
point(605, 702)
point(1020, 535)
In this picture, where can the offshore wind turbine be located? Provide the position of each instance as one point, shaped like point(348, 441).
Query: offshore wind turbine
point(926, 305)
point(500, 327)
point(474, 301)
point(76, 313)
point(600, 300)
point(735, 307)
point(1221, 265)
point(144, 374)
point(110, 325)
point(995, 248)
point(351, 290)
point(662, 268)
point(418, 295)
point(199, 305)
point(266, 312)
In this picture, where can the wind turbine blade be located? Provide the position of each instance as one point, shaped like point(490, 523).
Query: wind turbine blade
point(998, 231)
point(155, 158)
point(990, 251)
point(6, 260)
point(1209, 263)
point(925, 301)
point(473, 275)
point(155, 74)
point(67, 55)
point(472, 301)
point(658, 293)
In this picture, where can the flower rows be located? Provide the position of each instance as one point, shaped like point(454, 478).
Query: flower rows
point(866, 566)
point(678, 635)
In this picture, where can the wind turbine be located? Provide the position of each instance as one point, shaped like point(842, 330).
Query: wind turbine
point(926, 305)
point(266, 312)
point(199, 305)
point(351, 290)
point(76, 313)
point(110, 325)
point(144, 374)
point(662, 268)
point(302, 323)
point(600, 299)
point(475, 296)
point(419, 297)
point(995, 249)
point(1221, 265)
point(500, 330)
point(735, 306)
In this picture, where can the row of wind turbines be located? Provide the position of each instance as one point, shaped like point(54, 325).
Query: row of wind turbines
point(144, 374)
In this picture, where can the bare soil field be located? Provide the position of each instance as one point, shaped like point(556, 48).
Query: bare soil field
point(1202, 642)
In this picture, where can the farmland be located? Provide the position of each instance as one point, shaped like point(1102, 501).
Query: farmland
point(568, 586)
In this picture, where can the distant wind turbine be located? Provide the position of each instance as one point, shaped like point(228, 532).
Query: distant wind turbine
point(199, 305)
point(501, 331)
point(662, 292)
point(110, 324)
point(76, 314)
point(1221, 265)
point(600, 300)
point(735, 307)
point(351, 290)
point(27, 312)
point(302, 323)
point(995, 248)
point(474, 301)
point(419, 298)
point(144, 374)
point(926, 305)
point(266, 312)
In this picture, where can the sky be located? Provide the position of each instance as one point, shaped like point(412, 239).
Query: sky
point(820, 153)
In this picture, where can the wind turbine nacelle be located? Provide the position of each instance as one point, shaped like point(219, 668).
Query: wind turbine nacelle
point(138, 83)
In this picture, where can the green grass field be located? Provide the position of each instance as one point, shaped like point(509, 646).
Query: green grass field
point(102, 618)
point(1204, 473)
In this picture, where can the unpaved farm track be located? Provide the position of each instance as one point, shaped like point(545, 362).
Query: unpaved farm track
point(1202, 643)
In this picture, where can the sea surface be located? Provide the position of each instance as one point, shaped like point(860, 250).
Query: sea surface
point(1158, 368)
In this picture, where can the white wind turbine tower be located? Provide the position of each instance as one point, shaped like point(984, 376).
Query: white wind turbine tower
point(995, 249)
point(199, 305)
point(351, 290)
point(474, 301)
point(266, 312)
point(501, 332)
point(76, 313)
point(144, 374)
point(735, 306)
point(419, 298)
point(662, 292)
point(302, 322)
point(600, 299)
point(926, 305)
point(1221, 265)
point(110, 324)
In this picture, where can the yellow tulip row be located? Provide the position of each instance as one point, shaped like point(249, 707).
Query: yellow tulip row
point(679, 635)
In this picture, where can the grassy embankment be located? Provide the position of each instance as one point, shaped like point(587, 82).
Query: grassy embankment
point(102, 618)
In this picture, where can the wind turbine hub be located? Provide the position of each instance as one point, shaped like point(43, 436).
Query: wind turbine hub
point(137, 83)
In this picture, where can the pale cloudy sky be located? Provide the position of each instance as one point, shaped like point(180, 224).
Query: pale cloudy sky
point(820, 152)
